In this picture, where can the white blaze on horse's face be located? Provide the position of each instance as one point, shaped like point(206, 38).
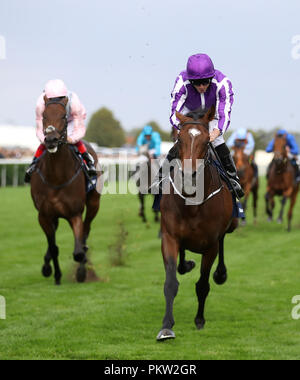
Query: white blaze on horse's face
point(50, 129)
point(193, 133)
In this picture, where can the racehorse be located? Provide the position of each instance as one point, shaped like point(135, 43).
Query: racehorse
point(58, 190)
point(281, 181)
point(249, 181)
point(146, 174)
point(196, 226)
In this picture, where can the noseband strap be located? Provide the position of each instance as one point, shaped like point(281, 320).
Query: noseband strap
point(194, 122)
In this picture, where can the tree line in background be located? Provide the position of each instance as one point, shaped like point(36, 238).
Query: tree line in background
point(106, 131)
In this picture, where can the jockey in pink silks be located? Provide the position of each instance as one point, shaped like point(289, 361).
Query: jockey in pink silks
point(76, 128)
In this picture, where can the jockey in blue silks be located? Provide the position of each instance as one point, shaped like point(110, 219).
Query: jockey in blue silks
point(242, 135)
point(290, 140)
point(294, 150)
point(150, 138)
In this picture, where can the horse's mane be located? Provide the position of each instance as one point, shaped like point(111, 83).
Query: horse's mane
point(197, 114)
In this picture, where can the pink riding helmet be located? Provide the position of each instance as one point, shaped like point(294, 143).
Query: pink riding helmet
point(55, 89)
point(200, 66)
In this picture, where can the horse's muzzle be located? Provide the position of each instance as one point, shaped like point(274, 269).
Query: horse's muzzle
point(51, 143)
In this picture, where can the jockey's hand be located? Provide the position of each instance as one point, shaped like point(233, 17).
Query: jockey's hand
point(214, 134)
point(69, 141)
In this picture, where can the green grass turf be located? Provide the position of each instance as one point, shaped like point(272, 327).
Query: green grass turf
point(249, 317)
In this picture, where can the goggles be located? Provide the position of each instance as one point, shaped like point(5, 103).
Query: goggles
point(199, 82)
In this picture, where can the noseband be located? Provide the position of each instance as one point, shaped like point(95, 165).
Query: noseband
point(51, 128)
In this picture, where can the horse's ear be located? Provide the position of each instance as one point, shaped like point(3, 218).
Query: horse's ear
point(210, 114)
point(181, 117)
point(65, 101)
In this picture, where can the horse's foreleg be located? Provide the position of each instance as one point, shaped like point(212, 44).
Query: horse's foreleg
point(255, 197)
point(170, 253)
point(77, 227)
point(292, 204)
point(269, 209)
point(202, 286)
point(49, 226)
point(92, 208)
point(156, 216)
point(185, 266)
point(220, 275)
point(244, 204)
point(283, 202)
point(79, 251)
point(142, 208)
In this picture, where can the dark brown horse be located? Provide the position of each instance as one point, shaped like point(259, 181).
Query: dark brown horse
point(281, 181)
point(249, 181)
point(196, 226)
point(58, 189)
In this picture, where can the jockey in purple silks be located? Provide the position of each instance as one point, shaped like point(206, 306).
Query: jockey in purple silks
point(200, 86)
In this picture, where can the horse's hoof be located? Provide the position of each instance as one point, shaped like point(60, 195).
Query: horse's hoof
point(81, 273)
point(79, 257)
point(47, 270)
point(220, 278)
point(200, 323)
point(279, 221)
point(57, 282)
point(243, 222)
point(270, 219)
point(190, 265)
point(187, 267)
point(165, 334)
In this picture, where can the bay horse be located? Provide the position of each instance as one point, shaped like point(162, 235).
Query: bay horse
point(281, 181)
point(147, 171)
point(199, 227)
point(249, 181)
point(58, 190)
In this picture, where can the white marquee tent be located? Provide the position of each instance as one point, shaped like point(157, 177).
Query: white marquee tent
point(18, 136)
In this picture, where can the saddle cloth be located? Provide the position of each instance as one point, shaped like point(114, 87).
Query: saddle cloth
point(237, 211)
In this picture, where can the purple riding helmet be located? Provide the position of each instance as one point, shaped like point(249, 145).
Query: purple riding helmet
point(200, 66)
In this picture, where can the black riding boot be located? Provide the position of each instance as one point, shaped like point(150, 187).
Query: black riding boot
point(30, 170)
point(90, 164)
point(297, 170)
point(229, 166)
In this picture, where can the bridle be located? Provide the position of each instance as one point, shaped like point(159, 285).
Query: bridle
point(62, 140)
point(63, 133)
point(194, 122)
point(207, 162)
point(280, 159)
